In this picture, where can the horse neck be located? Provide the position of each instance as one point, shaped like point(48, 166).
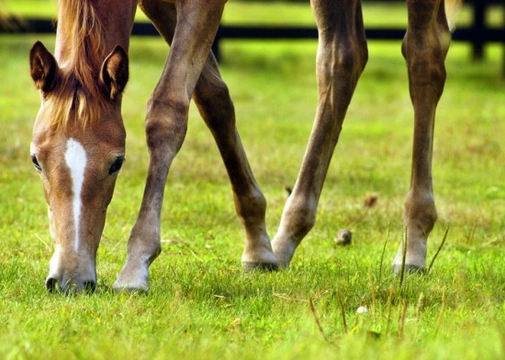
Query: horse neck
point(91, 29)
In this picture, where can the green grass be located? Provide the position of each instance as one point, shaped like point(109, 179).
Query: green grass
point(201, 305)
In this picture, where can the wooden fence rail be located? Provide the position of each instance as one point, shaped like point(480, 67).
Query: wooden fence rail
point(478, 34)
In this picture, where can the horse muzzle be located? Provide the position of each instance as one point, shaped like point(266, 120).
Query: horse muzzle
point(71, 273)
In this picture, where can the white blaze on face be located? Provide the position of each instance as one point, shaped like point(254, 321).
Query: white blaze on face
point(75, 158)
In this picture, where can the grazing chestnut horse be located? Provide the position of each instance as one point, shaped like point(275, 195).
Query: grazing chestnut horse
point(78, 141)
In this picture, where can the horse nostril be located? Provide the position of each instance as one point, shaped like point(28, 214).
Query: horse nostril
point(90, 286)
point(51, 284)
point(69, 286)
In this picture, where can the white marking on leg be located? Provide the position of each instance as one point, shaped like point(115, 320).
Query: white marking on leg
point(75, 158)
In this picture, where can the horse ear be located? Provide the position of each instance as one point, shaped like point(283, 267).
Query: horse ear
point(114, 73)
point(43, 67)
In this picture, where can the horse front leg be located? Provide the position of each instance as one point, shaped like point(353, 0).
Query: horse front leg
point(424, 47)
point(341, 58)
point(166, 125)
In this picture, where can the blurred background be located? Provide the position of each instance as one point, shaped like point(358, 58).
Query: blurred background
point(480, 22)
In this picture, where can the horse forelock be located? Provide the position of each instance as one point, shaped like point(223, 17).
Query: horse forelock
point(79, 96)
point(73, 102)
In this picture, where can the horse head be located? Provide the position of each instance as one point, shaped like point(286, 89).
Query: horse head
point(78, 148)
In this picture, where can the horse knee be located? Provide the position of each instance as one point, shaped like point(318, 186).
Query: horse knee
point(166, 124)
point(425, 48)
point(341, 64)
point(351, 58)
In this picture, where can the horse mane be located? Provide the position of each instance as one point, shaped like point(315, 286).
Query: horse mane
point(79, 97)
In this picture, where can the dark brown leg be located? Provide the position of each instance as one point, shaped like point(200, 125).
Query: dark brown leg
point(216, 107)
point(341, 58)
point(166, 125)
point(424, 47)
point(214, 102)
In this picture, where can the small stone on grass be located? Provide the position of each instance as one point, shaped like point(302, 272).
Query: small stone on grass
point(343, 237)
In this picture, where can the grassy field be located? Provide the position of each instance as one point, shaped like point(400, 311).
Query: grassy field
point(201, 304)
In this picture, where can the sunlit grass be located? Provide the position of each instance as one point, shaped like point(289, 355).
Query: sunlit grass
point(201, 305)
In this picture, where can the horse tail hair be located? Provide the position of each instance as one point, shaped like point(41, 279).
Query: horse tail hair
point(452, 8)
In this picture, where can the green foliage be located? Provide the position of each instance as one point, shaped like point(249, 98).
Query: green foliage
point(201, 304)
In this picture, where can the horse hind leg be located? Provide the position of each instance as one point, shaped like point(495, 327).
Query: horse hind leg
point(341, 58)
point(424, 47)
point(216, 107)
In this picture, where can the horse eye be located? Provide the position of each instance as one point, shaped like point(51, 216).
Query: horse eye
point(35, 162)
point(116, 165)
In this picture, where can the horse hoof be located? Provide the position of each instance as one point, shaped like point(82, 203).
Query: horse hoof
point(256, 265)
point(122, 286)
point(130, 290)
point(409, 269)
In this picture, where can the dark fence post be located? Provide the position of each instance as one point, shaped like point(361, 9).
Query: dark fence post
point(479, 23)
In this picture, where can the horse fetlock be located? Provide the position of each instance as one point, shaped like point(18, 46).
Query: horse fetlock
point(420, 213)
point(297, 220)
point(284, 249)
point(134, 275)
point(251, 208)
